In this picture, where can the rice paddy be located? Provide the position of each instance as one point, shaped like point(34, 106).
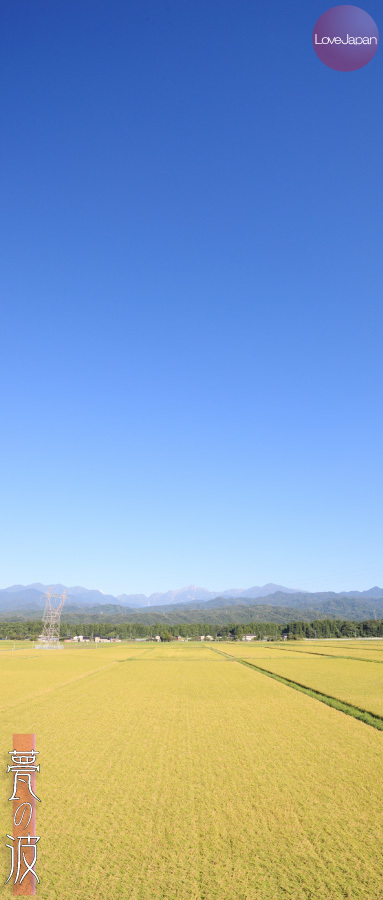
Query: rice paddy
point(355, 650)
point(358, 682)
point(172, 772)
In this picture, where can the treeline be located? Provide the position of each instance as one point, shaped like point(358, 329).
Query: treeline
point(333, 628)
point(321, 628)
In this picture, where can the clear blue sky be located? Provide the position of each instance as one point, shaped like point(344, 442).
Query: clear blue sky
point(191, 282)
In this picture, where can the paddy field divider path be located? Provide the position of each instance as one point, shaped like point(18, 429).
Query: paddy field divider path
point(331, 655)
point(372, 719)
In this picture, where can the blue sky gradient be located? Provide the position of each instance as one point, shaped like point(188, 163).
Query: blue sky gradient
point(191, 282)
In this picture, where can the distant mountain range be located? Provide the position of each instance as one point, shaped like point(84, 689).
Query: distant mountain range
point(271, 602)
point(80, 595)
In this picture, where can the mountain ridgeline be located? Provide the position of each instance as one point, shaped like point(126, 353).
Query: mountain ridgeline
point(270, 603)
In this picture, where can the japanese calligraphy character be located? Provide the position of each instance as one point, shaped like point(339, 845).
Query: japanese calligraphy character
point(18, 817)
point(24, 843)
point(24, 765)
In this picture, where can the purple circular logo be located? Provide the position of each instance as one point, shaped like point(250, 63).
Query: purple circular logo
point(345, 38)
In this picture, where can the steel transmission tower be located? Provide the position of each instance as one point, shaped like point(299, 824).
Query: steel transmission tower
point(49, 639)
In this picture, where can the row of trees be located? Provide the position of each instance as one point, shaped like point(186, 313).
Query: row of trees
point(321, 628)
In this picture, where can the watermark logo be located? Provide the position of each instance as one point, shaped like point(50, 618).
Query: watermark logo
point(23, 844)
point(345, 38)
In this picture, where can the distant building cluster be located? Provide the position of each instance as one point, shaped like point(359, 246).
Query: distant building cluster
point(79, 638)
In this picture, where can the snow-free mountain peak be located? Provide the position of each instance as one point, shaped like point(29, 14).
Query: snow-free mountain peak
point(188, 594)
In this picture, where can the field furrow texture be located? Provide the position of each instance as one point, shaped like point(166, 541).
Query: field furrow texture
point(354, 651)
point(354, 682)
point(198, 780)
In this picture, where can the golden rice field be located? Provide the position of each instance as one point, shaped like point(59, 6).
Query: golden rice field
point(356, 650)
point(255, 650)
point(371, 644)
point(358, 682)
point(171, 772)
point(358, 653)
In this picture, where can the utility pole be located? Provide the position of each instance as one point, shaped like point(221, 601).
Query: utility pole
point(49, 639)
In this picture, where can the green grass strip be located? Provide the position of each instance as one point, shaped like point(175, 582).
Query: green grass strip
point(329, 655)
point(368, 718)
